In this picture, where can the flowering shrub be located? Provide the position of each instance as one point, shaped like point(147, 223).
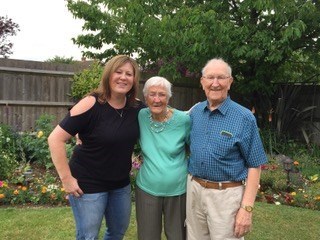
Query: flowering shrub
point(29, 146)
point(44, 186)
point(17, 150)
point(289, 188)
point(35, 144)
point(40, 188)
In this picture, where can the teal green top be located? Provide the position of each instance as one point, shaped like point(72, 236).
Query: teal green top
point(164, 168)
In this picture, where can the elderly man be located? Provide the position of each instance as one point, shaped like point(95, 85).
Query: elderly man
point(224, 165)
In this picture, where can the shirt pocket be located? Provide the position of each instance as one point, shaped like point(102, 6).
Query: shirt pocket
point(222, 145)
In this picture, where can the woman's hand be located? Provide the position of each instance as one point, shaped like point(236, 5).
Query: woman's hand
point(70, 185)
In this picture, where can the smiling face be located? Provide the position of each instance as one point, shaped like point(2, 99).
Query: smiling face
point(157, 100)
point(216, 82)
point(121, 81)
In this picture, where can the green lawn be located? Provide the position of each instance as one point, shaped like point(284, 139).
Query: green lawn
point(270, 222)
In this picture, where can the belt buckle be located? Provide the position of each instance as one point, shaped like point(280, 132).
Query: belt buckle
point(220, 185)
point(205, 183)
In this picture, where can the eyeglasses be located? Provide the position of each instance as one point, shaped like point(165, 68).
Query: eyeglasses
point(160, 95)
point(219, 78)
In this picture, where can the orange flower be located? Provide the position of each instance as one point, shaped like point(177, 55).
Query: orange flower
point(270, 115)
point(24, 188)
point(2, 195)
point(317, 198)
point(296, 163)
point(53, 196)
point(16, 192)
point(44, 189)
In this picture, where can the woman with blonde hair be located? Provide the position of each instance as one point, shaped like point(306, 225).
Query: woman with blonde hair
point(97, 176)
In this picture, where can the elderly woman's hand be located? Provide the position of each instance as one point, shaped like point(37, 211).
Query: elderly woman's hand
point(78, 141)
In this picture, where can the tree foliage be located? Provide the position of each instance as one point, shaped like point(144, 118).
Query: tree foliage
point(7, 28)
point(58, 59)
point(265, 41)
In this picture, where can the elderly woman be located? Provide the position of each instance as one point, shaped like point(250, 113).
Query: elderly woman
point(161, 181)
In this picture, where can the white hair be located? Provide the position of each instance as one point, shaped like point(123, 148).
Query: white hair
point(157, 81)
point(215, 61)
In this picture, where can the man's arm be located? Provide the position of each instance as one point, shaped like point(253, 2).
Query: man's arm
point(243, 223)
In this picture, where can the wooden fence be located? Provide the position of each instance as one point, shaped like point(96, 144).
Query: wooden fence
point(29, 89)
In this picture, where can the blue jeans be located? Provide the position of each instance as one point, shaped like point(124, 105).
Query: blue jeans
point(89, 210)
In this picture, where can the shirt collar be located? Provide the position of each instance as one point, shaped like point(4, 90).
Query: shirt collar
point(222, 108)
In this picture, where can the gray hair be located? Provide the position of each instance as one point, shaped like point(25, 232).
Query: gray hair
point(215, 61)
point(157, 81)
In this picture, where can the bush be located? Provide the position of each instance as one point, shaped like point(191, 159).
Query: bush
point(85, 81)
point(35, 144)
point(40, 188)
point(8, 151)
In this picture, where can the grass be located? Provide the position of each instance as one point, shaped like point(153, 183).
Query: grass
point(270, 222)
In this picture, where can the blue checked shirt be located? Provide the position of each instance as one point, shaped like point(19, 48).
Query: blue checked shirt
point(224, 142)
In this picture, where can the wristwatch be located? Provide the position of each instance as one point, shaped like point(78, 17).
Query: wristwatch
point(247, 208)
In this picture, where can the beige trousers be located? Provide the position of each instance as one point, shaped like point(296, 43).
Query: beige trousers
point(211, 212)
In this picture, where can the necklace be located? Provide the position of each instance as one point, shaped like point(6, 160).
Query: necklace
point(119, 113)
point(158, 126)
point(114, 104)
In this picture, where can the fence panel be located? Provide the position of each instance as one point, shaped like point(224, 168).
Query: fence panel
point(29, 89)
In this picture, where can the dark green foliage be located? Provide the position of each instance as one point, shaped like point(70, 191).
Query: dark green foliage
point(257, 37)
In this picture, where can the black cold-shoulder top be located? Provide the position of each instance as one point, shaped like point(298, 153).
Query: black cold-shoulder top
point(103, 161)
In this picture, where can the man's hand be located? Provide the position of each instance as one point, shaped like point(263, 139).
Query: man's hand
point(243, 223)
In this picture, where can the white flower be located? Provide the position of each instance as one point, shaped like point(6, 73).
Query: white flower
point(52, 187)
point(277, 203)
point(275, 196)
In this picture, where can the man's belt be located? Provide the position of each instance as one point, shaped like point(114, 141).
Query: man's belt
point(216, 185)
